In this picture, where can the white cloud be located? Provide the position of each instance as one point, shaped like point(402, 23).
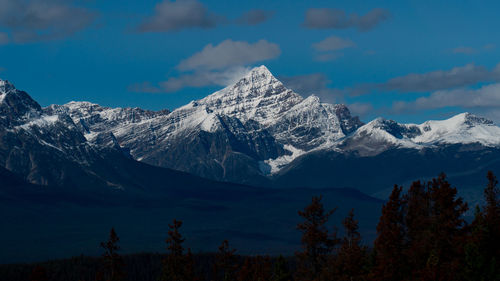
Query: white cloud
point(487, 96)
point(333, 43)
point(40, 20)
point(180, 14)
point(230, 53)
point(360, 109)
point(325, 18)
point(4, 38)
point(328, 49)
point(254, 17)
point(469, 74)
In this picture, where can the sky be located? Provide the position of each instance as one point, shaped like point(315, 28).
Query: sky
point(404, 60)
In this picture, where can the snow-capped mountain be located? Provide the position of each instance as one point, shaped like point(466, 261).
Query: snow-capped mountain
point(249, 128)
point(46, 147)
point(381, 134)
point(245, 133)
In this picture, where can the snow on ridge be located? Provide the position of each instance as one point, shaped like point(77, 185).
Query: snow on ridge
point(272, 166)
point(463, 128)
point(6, 86)
point(42, 121)
point(300, 125)
point(257, 95)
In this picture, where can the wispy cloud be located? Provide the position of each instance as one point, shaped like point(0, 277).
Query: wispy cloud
point(214, 65)
point(230, 53)
point(456, 77)
point(443, 79)
point(361, 109)
point(328, 49)
point(254, 17)
point(319, 85)
point(464, 50)
point(192, 80)
point(326, 18)
point(178, 15)
point(486, 97)
point(4, 38)
point(333, 43)
point(484, 100)
point(313, 84)
point(325, 57)
point(41, 20)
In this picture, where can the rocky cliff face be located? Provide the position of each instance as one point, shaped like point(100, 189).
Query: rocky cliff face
point(229, 135)
point(243, 133)
point(46, 147)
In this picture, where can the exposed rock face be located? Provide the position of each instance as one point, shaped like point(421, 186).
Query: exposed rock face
point(228, 135)
point(243, 133)
point(46, 147)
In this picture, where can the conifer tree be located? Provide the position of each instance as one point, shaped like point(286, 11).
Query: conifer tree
point(482, 253)
point(176, 266)
point(246, 271)
point(351, 258)
point(281, 271)
point(112, 260)
point(262, 268)
point(255, 269)
point(446, 229)
point(492, 215)
point(39, 274)
point(190, 271)
point(225, 263)
point(390, 242)
point(317, 242)
point(417, 221)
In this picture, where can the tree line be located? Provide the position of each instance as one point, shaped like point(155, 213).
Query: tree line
point(421, 235)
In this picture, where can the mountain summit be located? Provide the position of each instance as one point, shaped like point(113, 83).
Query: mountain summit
point(5, 86)
point(243, 133)
point(256, 96)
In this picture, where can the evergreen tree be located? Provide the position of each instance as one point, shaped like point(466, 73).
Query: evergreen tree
point(262, 268)
point(255, 269)
point(176, 266)
point(246, 271)
point(113, 262)
point(281, 271)
point(482, 253)
point(492, 216)
point(475, 266)
point(351, 258)
point(317, 243)
point(418, 232)
point(39, 274)
point(446, 225)
point(225, 263)
point(390, 242)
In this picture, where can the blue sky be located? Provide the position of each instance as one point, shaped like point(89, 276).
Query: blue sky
point(405, 60)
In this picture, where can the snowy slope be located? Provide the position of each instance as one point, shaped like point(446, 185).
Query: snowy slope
point(381, 134)
point(45, 147)
point(257, 116)
point(462, 128)
point(258, 96)
point(255, 126)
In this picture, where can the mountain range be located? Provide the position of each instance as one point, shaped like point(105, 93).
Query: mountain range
point(255, 132)
point(254, 147)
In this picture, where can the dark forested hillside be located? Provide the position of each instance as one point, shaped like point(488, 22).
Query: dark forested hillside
point(256, 220)
point(422, 234)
